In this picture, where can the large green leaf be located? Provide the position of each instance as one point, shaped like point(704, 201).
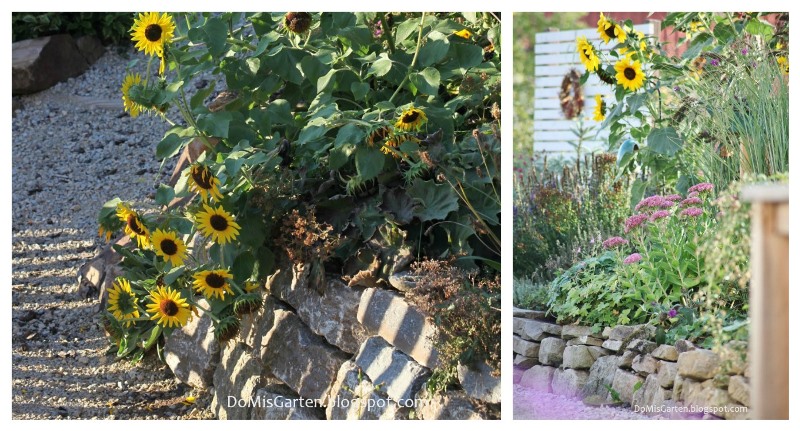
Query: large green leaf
point(381, 66)
point(434, 201)
point(426, 81)
point(169, 146)
point(216, 32)
point(433, 51)
point(369, 162)
point(215, 123)
point(664, 141)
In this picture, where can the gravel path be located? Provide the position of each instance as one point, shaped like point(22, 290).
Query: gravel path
point(69, 156)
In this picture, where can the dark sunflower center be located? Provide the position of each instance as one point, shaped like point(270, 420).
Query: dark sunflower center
point(610, 31)
point(134, 225)
point(218, 222)
point(215, 280)
point(169, 247)
point(153, 32)
point(168, 307)
point(297, 22)
point(587, 53)
point(202, 178)
point(630, 73)
point(410, 117)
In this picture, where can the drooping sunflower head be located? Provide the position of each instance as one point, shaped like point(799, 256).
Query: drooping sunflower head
point(104, 232)
point(130, 106)
point(463, 33)
point(226, 328)
point(599, 108)
point(217, 224)
point(247, 304)
point(169, 246)
point(608, 29)
point(122, 302)
point(168, 308)
point(378, 135)
point(213, 283)
point(134, 227)
point(587, 54)
point(297, 22)
point(629, 74)
point(201, 180)
point(411, 119)
point(152, 32)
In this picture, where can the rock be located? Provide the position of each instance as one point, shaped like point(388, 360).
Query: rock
point(739, 389)
point(388, 315)
point(394, 372)
point(733, 357)
point(651, 396)
point(525, 362)
point(641, 346)
point(568, 382)
point(698, 364)
point(92, 276)
point(606, 332)
point(626, 359)
point(665, 352)
point(613, 345)
point(581, 357)
point(236, 379)
point(624, 383)
point(601, 377)
point(479, 383)
point(37, 64)
point(666, 374)
point(357, 398)
point(529, 314)
point(539, 378)
point(404, 281)
point(684, 346)
point(585, 340)
point(538, 331)
point(255, 326)
point(300, 358)
point(450, 405)
point(644, 365)
point(328, 313)
point(90, 48)
point(526, 348)
point(677, 387)
point(192, 352)
point(551, 351)
point(569, 332)
point(278, 402)
point(626, 333)
point(705, 394)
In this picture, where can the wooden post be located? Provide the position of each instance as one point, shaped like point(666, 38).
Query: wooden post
point(769, 300)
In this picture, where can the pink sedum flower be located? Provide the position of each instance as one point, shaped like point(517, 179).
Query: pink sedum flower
point(633, 258)
point(702, 187)
point(673, 198)
point(635, 221)
point(614, 241)
point(692, 212)
point(691, 201)
point(693, 194)
point(654, 201)
point(659, 215)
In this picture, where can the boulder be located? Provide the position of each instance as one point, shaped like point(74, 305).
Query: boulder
point(300, 358)
point(388, 315)
point(698, 364)
point(624, 383)
point(480, 383)
point(529, 314)
point(539, 378)
point(613, 345)
point(525, 362)
point(739, 389)
point(450, 405)
point(278, 402)
point(601, 377)
point(665, 352)
point(354, 396)
point(585, 340)
point(705, 394)
point(666, 374)
point(551, 351)
point(404, 281)
point(569, 332)
point(684, 346)
point(90, 48)
point(569, 382)
point(525, 347)
point(326, 311)
point(644, 365)
point(192, 352)
point(255, 326)
point(38, 64)
point(236, 379)
point(641, 346)
point(582, 357)
point(626, 359)
point(394, 372)
point(626, 333)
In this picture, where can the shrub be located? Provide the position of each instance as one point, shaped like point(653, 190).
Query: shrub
point(110, 27)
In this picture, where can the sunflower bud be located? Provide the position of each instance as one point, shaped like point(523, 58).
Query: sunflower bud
point(226, 328)
point(297, 22)
point(247, 303)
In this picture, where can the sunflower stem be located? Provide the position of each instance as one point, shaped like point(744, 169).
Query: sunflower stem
point(386, 33)
point(413, 60)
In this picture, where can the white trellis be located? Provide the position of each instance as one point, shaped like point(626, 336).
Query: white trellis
point(555, 56)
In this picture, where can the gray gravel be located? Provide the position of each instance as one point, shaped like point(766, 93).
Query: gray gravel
point(72, 151)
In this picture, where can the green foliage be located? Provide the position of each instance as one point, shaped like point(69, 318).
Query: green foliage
point(530, 295)
point(110, 27)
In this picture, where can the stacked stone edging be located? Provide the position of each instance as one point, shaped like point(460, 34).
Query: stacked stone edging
point(670, 380)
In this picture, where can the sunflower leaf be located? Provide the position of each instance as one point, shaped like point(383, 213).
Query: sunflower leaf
point(164, 194)
point(426, 81)
point(216, 33)
point(174, 274)
point(664, 141)
point(169, 146)
point(435, 201)
point(369, 162)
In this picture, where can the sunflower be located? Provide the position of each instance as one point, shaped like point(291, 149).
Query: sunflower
point(218, 224)
point(783, 62)
point(122, 302)
point(463, 33)
point(204, 182)
point(297, 22)
point(133, 225)
point(411, 119)
point(588, 56)
point(129, 81)
point(378, 135)
point(629, 74)
point(168, 307)
point(151, 32)
point(212, 283)
point(169, 246)
point(102, 232)
point(599, 108)
point(608, 29)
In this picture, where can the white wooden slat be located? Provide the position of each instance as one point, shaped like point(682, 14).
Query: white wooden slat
point(555, 81)
point(557, 59)
point(542, 71)
point(549, 114)
point(588, 92)
point(566, 125)
point(557, 136)
point(566, 149)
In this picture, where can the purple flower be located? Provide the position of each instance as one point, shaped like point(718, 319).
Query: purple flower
point(676, 88)
point(614, 241)
point(659, 215)
point(673, 198)
point(694, 194)
point(691, 201)
point(635, 257)
point(634, 221)
point(654, 201)
point(744, 51)
point(692, 212)
point(672, 313)
point(702, 187)
point(714, 62)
